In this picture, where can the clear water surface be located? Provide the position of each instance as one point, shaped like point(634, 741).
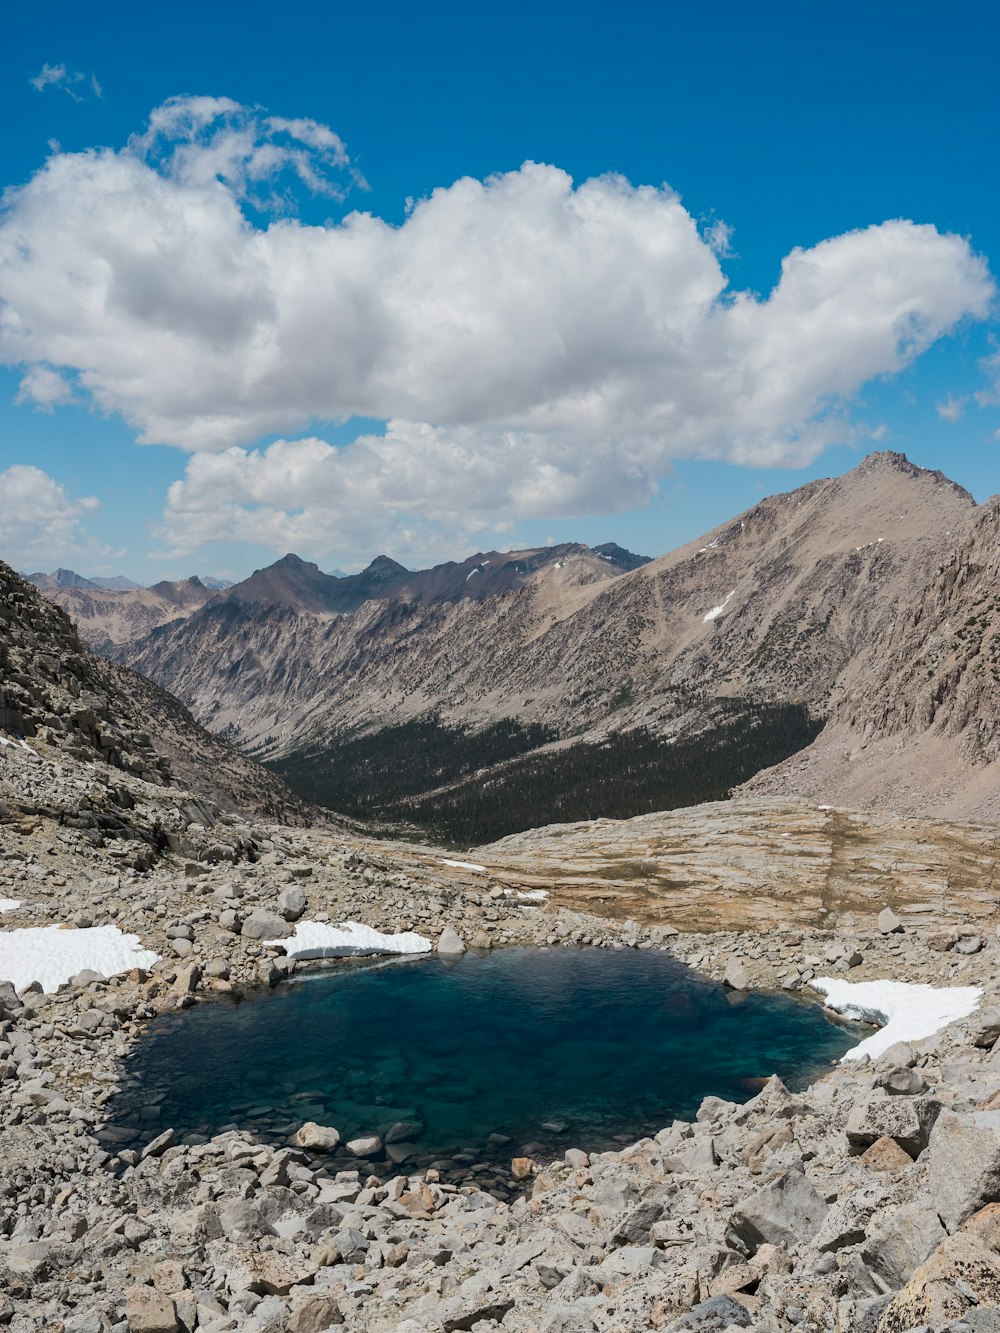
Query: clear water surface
point(473, 1060)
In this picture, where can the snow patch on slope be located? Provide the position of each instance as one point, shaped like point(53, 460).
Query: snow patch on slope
point(318, 939)
point(53, 954)
point(716, 611)
point(905, 1011)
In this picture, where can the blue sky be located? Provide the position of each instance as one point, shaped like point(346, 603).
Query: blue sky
point(558, 361)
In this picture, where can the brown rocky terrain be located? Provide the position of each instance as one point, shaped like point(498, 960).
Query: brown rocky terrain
point(750, 864)
point(915, 720)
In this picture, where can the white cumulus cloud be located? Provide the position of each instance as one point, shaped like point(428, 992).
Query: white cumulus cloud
point(45, 388)
point(536, 345)
point(41, 524)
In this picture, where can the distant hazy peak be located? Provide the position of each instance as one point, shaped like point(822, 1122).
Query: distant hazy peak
point(60, 578)
point(383, 566)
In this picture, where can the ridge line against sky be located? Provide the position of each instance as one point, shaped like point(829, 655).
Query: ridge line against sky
point(227, 335)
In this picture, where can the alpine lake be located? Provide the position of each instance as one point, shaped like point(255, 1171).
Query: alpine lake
point(462, 1064)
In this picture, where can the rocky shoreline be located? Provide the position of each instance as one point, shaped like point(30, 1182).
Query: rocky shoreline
point(865, 1202)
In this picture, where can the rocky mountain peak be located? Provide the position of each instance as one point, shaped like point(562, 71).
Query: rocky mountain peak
point(887, 462)
point(384, 567)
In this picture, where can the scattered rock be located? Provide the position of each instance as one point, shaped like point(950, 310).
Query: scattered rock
point(450, 942)
point(888, 922)
point(318, 1138)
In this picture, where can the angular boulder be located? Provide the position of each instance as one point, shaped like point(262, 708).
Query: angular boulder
point(906, 1120)
point(736, 976)
point(367, 1146)
point(450, 942)
point(900, 1243)
point(964, 1164)
point(315, 1137)
point(150, 1311)
point(984, 1029)
point(962, 1275)
point(788, 1211)
point(291, 903)
point(265, 926)
point(888, 922)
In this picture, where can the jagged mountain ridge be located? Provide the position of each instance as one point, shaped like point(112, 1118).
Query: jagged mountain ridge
point(785, 603)
point(62, 699)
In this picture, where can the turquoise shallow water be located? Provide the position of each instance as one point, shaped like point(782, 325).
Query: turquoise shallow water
point(541, 1049)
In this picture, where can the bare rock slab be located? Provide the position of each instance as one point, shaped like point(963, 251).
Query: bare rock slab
point(788, 1211)
point(964, 1164)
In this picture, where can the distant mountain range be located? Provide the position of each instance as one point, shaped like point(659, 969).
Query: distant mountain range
point(68, 578)
point(836, 641)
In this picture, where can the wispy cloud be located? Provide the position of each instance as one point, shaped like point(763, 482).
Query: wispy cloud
point(73, 83)
point(951, 408)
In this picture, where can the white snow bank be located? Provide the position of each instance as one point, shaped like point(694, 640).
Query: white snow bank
point(717, 611)
point(317, 939)
point(527, 895)
point(464, 865)
point(904, 1011)
point(9, 904)
point(51, 954)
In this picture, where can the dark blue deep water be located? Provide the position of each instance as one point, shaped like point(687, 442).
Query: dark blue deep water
point(540, 1049)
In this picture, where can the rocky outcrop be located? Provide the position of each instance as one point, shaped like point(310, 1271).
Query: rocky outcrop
point(58, 698)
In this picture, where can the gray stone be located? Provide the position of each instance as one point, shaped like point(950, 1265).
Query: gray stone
point(964, 1164)
point(292, 903)
point(450, 942)
point(318, 1138)
point(788, 1211)
point(902, 1081)
point(159, 1145)
point(736, 976)
point(85, 977)
point(901, 1242)
point(367, 1146)
point(888, 922)
point(907, 1120)
point(715, 1315)
point(984, 1028)
point(402, 1131)
point(242, 1221)
point(969, 944)
point(265, 926)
